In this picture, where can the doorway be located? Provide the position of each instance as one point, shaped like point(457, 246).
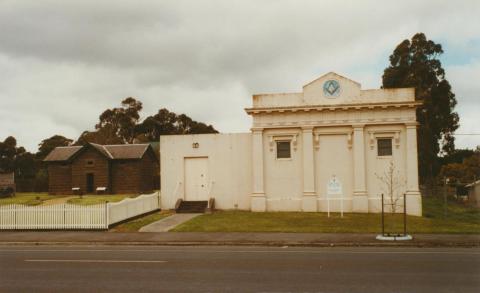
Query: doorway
point(90, 183)
point(196, 178)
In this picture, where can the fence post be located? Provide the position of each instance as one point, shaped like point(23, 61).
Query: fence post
point(404, 214)
point(383, 221)
point(107, 216)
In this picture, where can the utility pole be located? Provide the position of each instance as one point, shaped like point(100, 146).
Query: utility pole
point(445, 182)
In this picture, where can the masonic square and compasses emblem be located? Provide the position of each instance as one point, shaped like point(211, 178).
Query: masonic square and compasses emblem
point(331, 88)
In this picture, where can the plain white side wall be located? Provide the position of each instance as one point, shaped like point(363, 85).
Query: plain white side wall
point(229, 167)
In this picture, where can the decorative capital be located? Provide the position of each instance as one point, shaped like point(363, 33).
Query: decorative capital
point(256, 130)
point(358, 126)
point(411, 124)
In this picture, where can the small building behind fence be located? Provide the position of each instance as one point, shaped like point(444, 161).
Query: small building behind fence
point(7, 184)
point(94, 168)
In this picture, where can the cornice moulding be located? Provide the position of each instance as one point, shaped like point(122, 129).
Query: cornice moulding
point(344, 107)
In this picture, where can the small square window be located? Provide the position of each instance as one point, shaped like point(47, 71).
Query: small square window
point(283, 150)
point(384, 147)
point(90, 163)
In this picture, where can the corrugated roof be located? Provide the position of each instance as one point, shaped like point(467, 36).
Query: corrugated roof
point(62, 153)
point(102, 149)
point(115, 152)
point(127, 151)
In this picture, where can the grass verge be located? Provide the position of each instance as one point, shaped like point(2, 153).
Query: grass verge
point(96, 199)
point(135, 225)
point(459, 219)
point(28, 198)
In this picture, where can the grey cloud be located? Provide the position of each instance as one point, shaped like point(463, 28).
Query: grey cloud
point(65, 61)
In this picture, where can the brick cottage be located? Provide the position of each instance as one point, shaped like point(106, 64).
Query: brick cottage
point(131, 168)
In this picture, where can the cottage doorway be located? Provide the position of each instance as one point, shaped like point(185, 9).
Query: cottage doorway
point(90, 183)
point(196, 178)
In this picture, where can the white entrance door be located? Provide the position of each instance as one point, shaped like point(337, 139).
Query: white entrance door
point(196, 178)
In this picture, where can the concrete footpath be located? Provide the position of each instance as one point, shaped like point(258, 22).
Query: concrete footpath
point(170, 222)
point(217, 238)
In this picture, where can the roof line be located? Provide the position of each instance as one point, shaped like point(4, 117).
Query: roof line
point(96, 145)
point(109, 154)
point(126, 144)
point(332, 72)
point(145, 150)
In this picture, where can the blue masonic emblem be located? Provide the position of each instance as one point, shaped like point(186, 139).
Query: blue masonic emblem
point(331, 88)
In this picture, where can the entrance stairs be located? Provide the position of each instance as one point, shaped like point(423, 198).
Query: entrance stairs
point(192, 206)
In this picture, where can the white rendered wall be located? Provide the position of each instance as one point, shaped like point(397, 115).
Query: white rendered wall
point(377, 166)
point(334, 157)
point(331, 139)
point(283, 177)
point(229, 167)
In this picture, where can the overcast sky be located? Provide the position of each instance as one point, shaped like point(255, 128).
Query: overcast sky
point(63, 62)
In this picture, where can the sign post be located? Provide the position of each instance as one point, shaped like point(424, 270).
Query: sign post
point(334, 187)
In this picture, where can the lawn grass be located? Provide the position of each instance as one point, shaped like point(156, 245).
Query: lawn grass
point(135, 225)
point(96, 199)
point(459, 219)
point(37, 198)
point(28, 198)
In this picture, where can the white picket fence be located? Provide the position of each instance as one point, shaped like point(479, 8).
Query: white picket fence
point(131, 207)
point(68, 216)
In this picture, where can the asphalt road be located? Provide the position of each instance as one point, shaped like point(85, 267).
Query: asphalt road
point(237, 269)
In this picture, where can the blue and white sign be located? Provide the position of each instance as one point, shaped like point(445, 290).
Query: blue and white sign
point(334, 186)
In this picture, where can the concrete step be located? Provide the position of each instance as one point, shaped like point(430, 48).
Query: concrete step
point(198, 206)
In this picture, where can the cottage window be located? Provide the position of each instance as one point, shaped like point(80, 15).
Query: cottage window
point(384, 147)
point(90, 163)
point(283, 150)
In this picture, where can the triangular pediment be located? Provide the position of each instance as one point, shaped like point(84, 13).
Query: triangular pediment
point(331, 75)
point(331, 88)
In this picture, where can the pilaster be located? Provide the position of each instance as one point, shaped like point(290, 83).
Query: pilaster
point(309, 201)
point(257, 199)
point(360, 199)
point(414, 199)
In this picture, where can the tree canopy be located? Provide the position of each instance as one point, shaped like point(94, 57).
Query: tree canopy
point(48, 144)
point(466, 171)
point(16, 159)
point(122, 125)
point(8, 152)
point(415, 63)
point(166, 122)
point(115, 126)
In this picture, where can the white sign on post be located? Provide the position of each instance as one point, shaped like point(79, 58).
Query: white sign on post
point(334, 187)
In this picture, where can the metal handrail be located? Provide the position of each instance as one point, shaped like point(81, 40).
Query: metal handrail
point(177, 188)
point(210, 188)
